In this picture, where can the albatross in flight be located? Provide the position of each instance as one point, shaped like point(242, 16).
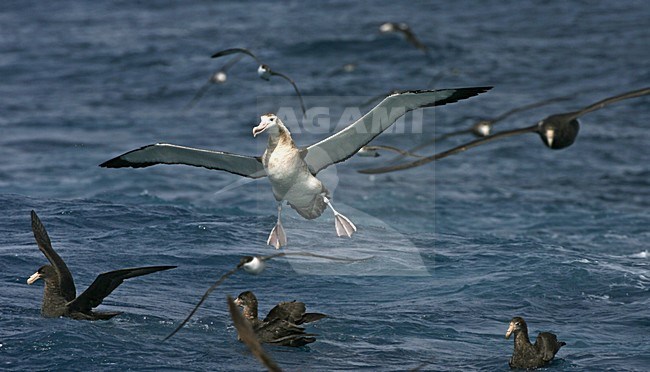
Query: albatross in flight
point(263, 70)
point(292, 171)
point(556, 131)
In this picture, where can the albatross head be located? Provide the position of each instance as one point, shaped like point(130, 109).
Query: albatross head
point(268, 122)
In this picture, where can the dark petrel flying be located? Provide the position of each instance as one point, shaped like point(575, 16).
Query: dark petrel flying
point(263, 70)
point(527, 355)
point(60, 297)
point(556, 131)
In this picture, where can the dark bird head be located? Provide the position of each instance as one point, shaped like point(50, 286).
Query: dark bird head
point(517, 324)
point(248, 302)
point(46, 273)
point(558, 131)
point(264, 72)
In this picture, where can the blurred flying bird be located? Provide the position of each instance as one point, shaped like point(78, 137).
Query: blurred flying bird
point(556, 131)
point(263, 70)
point(254, 265)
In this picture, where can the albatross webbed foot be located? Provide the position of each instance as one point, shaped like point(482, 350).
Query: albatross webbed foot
point(277, 237)
point(344, 227)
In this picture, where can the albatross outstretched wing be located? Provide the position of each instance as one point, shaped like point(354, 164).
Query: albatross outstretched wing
point(106, 283)
point(66, 283)
point(164, 153)
point(347, 142)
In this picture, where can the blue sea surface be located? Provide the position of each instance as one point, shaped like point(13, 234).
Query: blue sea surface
point(458, 247)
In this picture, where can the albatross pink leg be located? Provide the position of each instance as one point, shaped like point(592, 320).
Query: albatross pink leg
point(277, 237)
point(344, 227)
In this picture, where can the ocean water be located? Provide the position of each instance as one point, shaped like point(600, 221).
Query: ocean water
point(458, 247)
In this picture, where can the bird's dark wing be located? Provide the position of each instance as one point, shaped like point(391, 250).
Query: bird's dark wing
point(164, 153)
point(106, 283)
point(411, 38)
point(66, 283)
point(530, 106)
point(295, 87)
point(602, 103)
point(348, 141)
point(391, 148)
point(308, 254)
point(282, 332)
point(248, 337)
point(204, 297)
point(199, 94)
point(290, 311)
point(230, 51)
point(452, 151)
point(547, 345)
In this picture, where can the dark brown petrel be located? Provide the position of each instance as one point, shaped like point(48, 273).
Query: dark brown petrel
point(281, 325)
point(527, 355)
point(60, 297)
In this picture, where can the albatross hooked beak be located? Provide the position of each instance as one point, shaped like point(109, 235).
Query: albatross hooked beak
point(265, 121)
point(511, 329)
point(36, 276)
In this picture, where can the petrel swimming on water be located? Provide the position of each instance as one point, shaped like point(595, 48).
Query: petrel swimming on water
point(556, 131)
point(60, 297)
point(527, 355)
point(292, 171)
point(282, 324)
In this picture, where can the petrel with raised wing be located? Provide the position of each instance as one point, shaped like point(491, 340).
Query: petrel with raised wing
point(60, 297)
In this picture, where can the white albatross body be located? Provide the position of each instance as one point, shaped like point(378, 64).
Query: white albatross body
point(292, 171)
